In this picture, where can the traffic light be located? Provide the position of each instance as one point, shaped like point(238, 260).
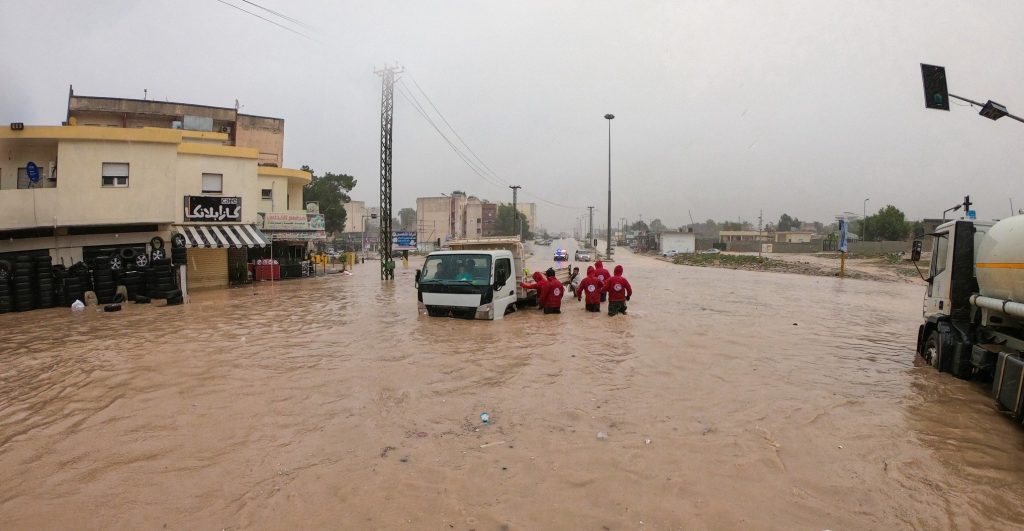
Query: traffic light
point(936, 95)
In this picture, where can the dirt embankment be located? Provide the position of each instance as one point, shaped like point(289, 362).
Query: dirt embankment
point(884, 269)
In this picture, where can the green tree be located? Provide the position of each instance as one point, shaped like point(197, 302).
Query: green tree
point(330, 190)
point(407, 219)
point(639, 226)
point(505, 223)
point(657, 226)
point(888, 224)
point(785, 222)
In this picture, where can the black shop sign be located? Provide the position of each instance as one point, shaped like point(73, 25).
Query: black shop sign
point(205, 208)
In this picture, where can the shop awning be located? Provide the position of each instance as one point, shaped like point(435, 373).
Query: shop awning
point(239, 235)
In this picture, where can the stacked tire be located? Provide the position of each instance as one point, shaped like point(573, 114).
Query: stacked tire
point(179, 254)
point(21, 285)
point(103, 279)
point(132, 281)
point(44, 281)
point(6, 302)
point(73, 289)
point(160, 279)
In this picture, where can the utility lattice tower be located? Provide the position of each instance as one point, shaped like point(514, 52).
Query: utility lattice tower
point(387, 110)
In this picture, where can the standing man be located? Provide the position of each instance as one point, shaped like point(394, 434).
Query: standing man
point(555, 292)
point(619, 291)
point(593, 288)
point(540, 284)
point(603, 275)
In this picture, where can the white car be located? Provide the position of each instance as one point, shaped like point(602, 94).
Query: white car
point(711, 251)
point(670, 254)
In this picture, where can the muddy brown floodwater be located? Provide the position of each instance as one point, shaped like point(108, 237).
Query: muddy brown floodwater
point(730, 400)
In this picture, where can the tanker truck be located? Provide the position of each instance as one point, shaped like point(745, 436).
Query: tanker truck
point(974, 305)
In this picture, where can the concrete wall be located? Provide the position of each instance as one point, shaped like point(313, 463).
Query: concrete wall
point(683, 242)
point(878, 248)
point(354, 211)
point(804, 247)
point(280, 193)
point(264, 134)
point(239, 180)
point(433, 218)
point(17, 154)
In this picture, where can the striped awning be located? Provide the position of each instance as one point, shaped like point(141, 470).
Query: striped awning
point(240, 235)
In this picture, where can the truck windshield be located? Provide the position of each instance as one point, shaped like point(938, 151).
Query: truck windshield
point(457, 268)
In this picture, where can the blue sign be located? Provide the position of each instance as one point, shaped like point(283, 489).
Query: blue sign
point(403, 240)
point(33, 172)
point(843, 228)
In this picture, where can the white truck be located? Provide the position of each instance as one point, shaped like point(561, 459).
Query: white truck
point(475, 279)
point(974, 305)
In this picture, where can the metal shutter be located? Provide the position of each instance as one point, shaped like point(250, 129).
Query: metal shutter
point(207, 268)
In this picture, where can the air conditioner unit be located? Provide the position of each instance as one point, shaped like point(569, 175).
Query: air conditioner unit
point(225, 129)
point(176, 124)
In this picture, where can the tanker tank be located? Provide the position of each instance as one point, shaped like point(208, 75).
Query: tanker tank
point(999, 260)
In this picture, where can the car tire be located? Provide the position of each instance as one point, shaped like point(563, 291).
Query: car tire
point(178, 240)
point(156, 255)
point(156, 243)
point(142, 260)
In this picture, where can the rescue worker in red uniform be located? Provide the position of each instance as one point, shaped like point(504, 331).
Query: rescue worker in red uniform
point(593, 288)
point(555, 292)
point(603, 275)
point(540, 284)
point(619, 291)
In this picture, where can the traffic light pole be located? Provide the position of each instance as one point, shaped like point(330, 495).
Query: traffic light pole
point(982, 105)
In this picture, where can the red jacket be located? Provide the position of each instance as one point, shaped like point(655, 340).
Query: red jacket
point(601, 273)
point(540, 284)
point(555, 292)
point(592, 287)
point(617, 287)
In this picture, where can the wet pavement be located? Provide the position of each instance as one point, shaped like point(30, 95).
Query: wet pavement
point(730, 399)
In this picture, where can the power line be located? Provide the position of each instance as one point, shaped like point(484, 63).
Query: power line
point(282, 15)
point(299, 33)
point(479, 167)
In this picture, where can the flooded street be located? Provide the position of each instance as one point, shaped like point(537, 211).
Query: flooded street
point(730, 399)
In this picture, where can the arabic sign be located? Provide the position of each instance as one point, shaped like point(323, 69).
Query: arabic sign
point(205, 208)
point(285, 221)
point(403, 240)
point(298, 235)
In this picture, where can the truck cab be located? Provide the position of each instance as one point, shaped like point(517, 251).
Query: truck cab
point(469, 284)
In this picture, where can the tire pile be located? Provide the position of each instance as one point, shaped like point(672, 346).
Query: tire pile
point(31, 282)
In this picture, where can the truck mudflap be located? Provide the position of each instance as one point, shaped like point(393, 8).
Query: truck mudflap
point(1008, 384)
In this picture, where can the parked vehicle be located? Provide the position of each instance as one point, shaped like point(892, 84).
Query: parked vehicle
point(974, 305)
point(711, 251)
point(475, 279)
point(582, 256)
point(670, 254)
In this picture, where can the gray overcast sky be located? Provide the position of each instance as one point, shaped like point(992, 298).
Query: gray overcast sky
point(722, 108)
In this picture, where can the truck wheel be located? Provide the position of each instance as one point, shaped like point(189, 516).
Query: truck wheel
point(932, 350)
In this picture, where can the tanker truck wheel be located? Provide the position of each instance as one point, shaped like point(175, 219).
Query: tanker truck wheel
point(933, 351)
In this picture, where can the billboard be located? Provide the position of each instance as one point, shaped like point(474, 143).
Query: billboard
point(403, 240)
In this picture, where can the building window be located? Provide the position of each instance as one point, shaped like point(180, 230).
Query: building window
point(213, 183)
point(267, 193)
point(115, 174)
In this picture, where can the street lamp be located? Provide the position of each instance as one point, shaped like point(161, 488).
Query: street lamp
point(864, 222)
point(608, 249)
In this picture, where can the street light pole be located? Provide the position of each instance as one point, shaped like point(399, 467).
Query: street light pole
point(864, 222)
point(608, 249)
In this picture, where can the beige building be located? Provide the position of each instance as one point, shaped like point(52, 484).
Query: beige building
point(102, 188)
point(529, 211)
point(794, 236)
point(434, 223)
point(744, 236)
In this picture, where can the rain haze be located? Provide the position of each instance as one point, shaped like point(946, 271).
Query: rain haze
point(722, 108)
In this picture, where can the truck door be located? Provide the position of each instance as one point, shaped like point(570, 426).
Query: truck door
point(937, 300)
point(505, 286)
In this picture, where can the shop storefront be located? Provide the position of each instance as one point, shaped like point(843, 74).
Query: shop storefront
point(217, 253)
point(294, 235)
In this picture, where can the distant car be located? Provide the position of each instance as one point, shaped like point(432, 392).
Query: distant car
point(582, 256)
point(561, 255)
point(711, 251)
point(670, 254)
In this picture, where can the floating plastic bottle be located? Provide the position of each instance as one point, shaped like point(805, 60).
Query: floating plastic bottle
point(485, 418)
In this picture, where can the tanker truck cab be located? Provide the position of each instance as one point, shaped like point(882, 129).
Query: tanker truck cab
point(478, 284)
